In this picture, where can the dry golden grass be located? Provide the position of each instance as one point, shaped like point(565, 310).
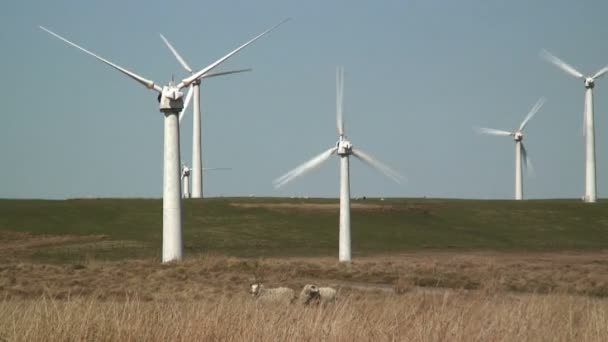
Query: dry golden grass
point(421, 296)
point(63, 288)
point(199, 277)
point(416, 316)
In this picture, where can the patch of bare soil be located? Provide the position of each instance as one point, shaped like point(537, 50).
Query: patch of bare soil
point(314, 206)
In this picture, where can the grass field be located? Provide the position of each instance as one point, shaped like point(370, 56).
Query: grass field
point(423, 270)
point(279, 227)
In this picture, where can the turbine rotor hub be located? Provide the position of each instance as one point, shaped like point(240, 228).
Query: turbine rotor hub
point(344, 146)
point(589, 83)
point(518, 136)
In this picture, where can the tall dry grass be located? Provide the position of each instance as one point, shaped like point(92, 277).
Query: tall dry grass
point(414, 316)
point(430, 296)
point(202, 277)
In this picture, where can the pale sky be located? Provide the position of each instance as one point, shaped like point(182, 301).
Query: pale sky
point(419, 76)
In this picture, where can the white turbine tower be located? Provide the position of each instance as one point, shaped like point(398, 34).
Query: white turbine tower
point(588, 126)
point(171, 103)
point(197, 159)
point(343, 149)
point(185, 181)
point(520, 149)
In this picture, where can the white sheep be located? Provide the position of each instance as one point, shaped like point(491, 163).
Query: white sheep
point(310, 293)
point(328, 294)
point(277, 294)
point(314, 294)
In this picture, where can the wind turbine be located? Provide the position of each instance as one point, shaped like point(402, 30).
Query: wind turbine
point(187, 172)
point(197, 163)
point(171, 103)
point(343, 149)
point(185, 181)
point(520, 149)
point(588, 127)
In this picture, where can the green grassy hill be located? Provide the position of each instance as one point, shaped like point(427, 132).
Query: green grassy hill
point(118, 228)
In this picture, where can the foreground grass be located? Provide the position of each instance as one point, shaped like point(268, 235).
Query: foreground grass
point(250, 227)
point(422, 296)
point(201, 278)
point(424, 270)
point(447, 316)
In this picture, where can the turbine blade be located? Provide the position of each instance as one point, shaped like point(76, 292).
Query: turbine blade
point(176, 54)
point(216, 168)
point(526, 159)
point(492, 131)
point(340, 100)
point(215, 74)
point(186, 82)
point(600, 73)
point(186, 103)
point(532, 112)
point(371, 161)
point(304, 167)
point(561, 64)
point(147, 83)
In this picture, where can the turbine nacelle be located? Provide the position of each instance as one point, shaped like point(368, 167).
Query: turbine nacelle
point(518, 136)
point(589, 83)
point(171, 99)
point(344, 147)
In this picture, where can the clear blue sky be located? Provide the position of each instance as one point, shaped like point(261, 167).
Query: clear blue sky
point(419, 75)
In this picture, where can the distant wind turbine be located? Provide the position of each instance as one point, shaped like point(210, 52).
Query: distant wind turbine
point(343, 149)
point(197, 159)
point(185, 181)
point(171, 103)
point(588, 124)
point(187, 172)
point(520, 149)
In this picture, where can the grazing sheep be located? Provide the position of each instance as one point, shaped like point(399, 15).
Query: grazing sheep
point(310, 293)
point(327, 294)
point(277, 294)
point(314, 294)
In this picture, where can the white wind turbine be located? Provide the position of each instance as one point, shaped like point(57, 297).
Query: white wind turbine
point(197, 160)
point(171, 103)
point(187, 172)
point(588, 126)
point(185, 181)
point(343, 149)
point(520, 149)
